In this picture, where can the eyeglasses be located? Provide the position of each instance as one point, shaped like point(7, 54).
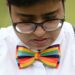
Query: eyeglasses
point(29, 27)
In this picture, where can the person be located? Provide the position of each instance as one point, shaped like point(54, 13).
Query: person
point(39, 41)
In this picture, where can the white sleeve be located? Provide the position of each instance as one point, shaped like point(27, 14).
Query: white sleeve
point(3, 45)
point(3, 55)
point(3, 51)
point(73, 53)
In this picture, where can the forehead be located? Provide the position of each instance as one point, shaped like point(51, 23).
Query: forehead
point(38, 9)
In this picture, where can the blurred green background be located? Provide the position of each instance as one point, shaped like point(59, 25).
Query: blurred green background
point(5, 18)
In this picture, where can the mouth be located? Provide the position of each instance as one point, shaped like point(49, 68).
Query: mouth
point(40, 41)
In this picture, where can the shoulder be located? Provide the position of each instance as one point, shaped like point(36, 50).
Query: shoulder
point(8, 37)
point(73, 52)
point(68, 26)
point(4, 32)
point(7, 34)
point(8, 40)
point(68, 30)
point(69, 36)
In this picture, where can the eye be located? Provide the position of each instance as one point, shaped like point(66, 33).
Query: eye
point(50, 17)
point(26, 19)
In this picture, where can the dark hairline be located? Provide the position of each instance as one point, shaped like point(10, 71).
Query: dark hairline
point(28, 3)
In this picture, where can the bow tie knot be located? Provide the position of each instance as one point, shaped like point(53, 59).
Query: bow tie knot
point(37, 55)
point(49, 56)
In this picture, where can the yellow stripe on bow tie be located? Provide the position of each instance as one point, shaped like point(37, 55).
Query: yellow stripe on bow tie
point(49, 50)
point(24, 49)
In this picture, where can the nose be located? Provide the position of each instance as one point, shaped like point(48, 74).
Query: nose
point(39, 32)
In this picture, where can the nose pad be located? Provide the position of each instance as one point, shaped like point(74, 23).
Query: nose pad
point(39, 31)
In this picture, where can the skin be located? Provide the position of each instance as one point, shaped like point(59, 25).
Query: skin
point(39, 39)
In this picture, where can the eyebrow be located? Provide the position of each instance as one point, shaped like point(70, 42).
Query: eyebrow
point(25, 15)
point(30, 15)
point(49, 13)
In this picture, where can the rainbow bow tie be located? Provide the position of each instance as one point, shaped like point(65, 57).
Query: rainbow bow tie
point(49, 56)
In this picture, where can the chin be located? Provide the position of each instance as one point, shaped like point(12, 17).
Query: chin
point(39, 47)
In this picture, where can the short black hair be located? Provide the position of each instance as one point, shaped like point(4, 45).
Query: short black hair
point(27, 2)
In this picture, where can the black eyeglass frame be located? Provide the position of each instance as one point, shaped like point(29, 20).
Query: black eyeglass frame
point(38, 24)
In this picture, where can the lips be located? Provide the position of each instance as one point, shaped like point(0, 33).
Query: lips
point(40, 41)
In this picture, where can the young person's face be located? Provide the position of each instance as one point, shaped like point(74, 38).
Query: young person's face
point(38, 39)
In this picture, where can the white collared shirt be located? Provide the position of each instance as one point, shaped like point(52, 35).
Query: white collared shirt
point(9, 41)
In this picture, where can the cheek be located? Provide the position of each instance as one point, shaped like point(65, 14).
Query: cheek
point(23, 37)
point(54, 35)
